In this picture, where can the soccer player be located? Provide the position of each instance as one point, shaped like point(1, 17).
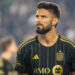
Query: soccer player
point(9, 49)
point(48, 53)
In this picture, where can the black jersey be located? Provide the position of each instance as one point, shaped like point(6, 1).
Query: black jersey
point(5, 67)
point(34, 58)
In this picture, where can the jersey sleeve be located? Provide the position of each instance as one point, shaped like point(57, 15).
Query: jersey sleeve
point(73, 59)
point(23, 62)
point(20, 60)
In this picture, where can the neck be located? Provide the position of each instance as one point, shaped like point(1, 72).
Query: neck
point(49, 38)
point(6, 55)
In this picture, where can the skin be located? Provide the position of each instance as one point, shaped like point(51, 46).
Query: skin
point(73, 73)
point(46, 18)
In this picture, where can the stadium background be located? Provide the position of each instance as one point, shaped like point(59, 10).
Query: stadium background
point(17, 18)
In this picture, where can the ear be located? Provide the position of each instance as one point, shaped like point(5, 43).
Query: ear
point(55, 21)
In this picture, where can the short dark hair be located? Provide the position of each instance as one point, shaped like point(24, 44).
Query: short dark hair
point(5, 42)
point(50, 6)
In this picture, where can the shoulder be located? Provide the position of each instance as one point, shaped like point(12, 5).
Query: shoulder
point(26, 43)
point(67, 41)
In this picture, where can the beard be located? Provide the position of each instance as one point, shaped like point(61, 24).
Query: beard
point(44, 30)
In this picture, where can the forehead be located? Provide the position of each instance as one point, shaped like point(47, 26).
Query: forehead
point(43, 12)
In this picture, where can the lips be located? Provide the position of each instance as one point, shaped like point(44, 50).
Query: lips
point(39, 24)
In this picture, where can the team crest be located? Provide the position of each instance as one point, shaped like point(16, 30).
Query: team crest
point(60, 56)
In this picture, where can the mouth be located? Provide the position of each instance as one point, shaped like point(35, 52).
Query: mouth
point(38, 25)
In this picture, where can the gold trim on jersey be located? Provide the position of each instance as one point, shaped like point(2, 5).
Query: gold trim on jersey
point(31, 51)
point(67, 40)
point(39, 55)
point(25, 43)
point(55, 54)
point(48, 59)
point(18, 63)
point(64, 55)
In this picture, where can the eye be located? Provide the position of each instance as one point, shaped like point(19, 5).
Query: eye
point(37, 16)
point(44, 16)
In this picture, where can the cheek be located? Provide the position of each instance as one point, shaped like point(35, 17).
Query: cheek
point(36, 20)
point(14, 49)
point(46, 22)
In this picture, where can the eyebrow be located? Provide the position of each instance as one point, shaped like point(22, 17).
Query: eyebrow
point(41, 15)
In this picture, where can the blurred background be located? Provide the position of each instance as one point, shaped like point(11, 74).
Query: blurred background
point(17, 18)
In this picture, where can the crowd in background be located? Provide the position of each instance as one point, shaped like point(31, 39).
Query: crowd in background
point(17, 18)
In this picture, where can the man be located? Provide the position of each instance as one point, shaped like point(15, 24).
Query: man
point(9, 49)
point(48, 53)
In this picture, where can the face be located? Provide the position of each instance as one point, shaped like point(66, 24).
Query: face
point(12, 48)
point(44, 21)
